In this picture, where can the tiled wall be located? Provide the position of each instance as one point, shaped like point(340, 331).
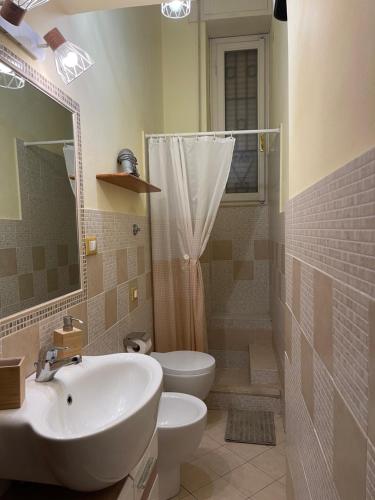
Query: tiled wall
point(122, 263)
point(330, 335)
point(236, 269)
point(39, 253)
point(277, 252)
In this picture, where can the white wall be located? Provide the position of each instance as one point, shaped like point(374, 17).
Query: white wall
point(331, 86)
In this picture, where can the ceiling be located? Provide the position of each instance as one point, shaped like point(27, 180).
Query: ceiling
point(76, 6)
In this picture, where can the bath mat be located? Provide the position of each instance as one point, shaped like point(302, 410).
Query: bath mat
point(255, 427)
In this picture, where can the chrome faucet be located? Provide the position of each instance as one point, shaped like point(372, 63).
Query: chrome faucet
point(48, 365)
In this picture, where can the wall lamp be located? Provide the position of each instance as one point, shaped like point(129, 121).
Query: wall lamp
point(71, 61)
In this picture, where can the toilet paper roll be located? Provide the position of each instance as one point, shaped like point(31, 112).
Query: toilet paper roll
point(144, 347)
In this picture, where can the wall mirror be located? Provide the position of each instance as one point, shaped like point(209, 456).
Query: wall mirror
point(39, 192)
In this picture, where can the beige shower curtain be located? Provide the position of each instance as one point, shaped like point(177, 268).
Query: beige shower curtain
point(192, 174)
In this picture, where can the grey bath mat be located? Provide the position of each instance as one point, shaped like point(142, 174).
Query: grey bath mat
point(255, 427)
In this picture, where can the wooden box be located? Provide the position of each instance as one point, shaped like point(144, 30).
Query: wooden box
point(12, 383)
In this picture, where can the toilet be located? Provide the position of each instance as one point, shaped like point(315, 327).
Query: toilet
point(188, 372)
point(181, 423)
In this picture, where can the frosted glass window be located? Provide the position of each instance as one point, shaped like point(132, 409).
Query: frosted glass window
point(241, 113)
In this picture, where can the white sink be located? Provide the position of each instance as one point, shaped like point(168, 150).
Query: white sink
point(86, 429)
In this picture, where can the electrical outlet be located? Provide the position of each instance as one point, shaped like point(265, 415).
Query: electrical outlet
point(91, 245)
point(134, 294)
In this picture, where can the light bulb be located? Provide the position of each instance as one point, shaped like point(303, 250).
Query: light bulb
point(70, 60)
point(176, 9)
point(175, 5)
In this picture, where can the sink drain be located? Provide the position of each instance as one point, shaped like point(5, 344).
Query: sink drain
point(69, 399)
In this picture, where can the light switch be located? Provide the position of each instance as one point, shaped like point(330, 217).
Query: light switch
point(134, 294)
point(91, 245)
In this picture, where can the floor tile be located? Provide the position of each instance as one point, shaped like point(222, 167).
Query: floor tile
point(221, 460)
point(207, 444)
point(195, 475)
point(232, 376)
point(219, 490)
point(215, 417)
point(183, 495)
point(282, 480)
point(248, 479)
point(246, 451)
point(275, 491)
point(272, 463)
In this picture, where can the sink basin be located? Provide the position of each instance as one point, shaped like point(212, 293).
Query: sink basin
point(86, 429)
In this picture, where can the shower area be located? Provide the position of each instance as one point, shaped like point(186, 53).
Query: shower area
point(236, 241)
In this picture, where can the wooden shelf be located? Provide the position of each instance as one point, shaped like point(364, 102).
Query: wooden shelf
point(129, 181)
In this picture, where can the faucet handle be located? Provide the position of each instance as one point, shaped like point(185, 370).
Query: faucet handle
point(48, 354)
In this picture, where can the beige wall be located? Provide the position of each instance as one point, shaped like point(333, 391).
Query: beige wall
point(182, 78)
point(29, 115)
point(332, 86)
point(119, 97)
point(279, 100)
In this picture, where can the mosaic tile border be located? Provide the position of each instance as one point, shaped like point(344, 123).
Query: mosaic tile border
point(34, 315)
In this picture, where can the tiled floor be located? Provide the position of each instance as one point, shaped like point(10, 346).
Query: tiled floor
point(234, 471)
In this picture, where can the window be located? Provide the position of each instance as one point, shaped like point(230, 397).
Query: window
point(238, 103)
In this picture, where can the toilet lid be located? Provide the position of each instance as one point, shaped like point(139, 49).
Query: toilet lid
point(185, 362)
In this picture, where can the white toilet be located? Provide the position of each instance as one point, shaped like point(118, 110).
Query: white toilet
point(181, 423)
point(188, 372)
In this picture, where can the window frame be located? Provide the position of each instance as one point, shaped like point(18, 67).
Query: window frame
point(219, 46)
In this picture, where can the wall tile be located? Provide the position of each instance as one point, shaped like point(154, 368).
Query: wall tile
point(110, 308)
point(371, 408)
point(296, 292)
point(261, 249)
point(140, 260)
point(62, 255)
point(222, 250)
point(52, 280)
point(243, 270)
point(26, 286)
point(307, 381)
point(323, 311)
point(8, 262)
point(96, 317)
point(122, 265)
point(148, 286)
point(39, 258)
point(23, 343)
point(349, 453)
point(95, 275)
point(288, 333)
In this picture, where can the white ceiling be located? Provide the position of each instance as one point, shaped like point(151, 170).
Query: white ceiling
point(76, 6)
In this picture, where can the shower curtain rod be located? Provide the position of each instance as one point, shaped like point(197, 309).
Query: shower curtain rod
point(46, 143)
point(225, 132)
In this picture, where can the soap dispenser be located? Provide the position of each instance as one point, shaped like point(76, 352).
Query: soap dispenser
point(69, 338)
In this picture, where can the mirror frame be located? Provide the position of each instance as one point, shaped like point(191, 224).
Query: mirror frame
point(35, 314)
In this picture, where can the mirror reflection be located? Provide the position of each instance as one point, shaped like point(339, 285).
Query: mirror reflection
point(39, 249)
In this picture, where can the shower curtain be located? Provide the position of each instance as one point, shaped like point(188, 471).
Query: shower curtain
point(70, 162)
point(192, 174)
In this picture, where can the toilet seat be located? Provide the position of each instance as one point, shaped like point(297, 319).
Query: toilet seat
point(185, 362)
point(178, 410)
